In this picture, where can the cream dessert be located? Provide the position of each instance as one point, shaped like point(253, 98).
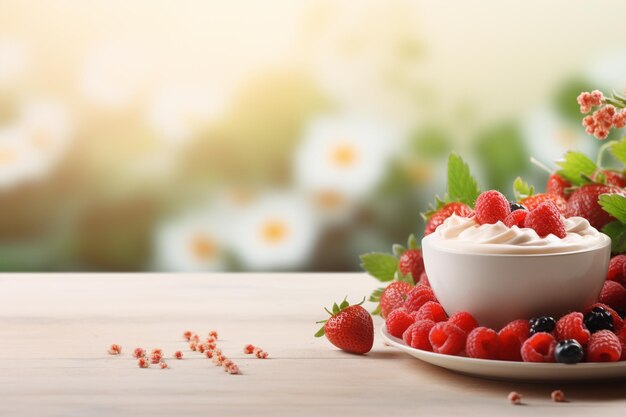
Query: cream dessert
point(464, 234)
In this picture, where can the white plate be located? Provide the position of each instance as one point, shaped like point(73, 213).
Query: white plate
point(514, 371)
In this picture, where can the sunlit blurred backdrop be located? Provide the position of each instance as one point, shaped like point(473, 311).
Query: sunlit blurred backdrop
point(284, 135)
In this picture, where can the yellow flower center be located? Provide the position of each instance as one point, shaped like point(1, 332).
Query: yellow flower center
point(274, 231)
point(344, 155)
point(203, 248)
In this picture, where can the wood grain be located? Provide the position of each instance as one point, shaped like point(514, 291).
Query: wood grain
point(55, 330)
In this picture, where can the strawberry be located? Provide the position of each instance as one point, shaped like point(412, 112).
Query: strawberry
point(433, 220)
point(557, 185)
point(516, 218)
point(545, 219)
point(610, 178)
point(393, 297)
point(584, 203)
point(534, 201)
point(491, 207)
point(350, 328)
point(411, 262)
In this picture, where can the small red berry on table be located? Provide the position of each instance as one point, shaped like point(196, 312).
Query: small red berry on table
point(139, 353)
point(514, 398)
point(178, 354)
point(557, 396)
point(115, 349)
point(248, 349)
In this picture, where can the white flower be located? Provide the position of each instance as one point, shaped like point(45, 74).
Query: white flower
point(277, 231)
point(178, 113)
point(345, 155)
point(113, 73)
point(14, 59)
point(549, 136)
point(193, 242)
point(31, 145)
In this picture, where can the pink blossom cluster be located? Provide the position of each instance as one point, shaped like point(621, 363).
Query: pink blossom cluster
point(589, 100)
point(603, 120)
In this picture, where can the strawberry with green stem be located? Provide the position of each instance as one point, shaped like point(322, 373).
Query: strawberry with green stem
point(350, 327)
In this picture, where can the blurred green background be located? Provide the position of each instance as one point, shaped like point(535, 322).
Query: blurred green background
point(292, 135)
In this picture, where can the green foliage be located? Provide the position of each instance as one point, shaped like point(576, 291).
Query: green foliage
point(617, 232)
point(575, 166)
point(462, 185)
point(615, 205)
point(431, 142)
point(565, 98)
point(522, 189)
point(381, 266)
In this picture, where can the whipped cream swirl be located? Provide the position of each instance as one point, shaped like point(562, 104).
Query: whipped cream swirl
point(466, 235)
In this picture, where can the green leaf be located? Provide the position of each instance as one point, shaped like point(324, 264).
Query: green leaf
point(522, 189)
point(617, 232)
point(381, 266)
point(462, 186)
point(375, 295)
point(403, 278)
point(376, 311)
point(618, 149)
point(398, 249)
point(344, 304)
point(320, 332)
point(615, 205)
point(412, 242)
point(335, 308)
point(574, 166)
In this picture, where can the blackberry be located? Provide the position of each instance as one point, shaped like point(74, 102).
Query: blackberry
point(516, 206)
point(598, 319)
point(568, 351)
point(542, 324)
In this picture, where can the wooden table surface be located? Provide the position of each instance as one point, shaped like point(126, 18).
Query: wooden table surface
point(55, 330)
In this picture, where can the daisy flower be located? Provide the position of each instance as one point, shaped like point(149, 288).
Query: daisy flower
point(343, 156)
point(277, 231)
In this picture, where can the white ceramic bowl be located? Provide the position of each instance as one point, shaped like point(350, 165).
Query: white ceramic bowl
point(498, 288)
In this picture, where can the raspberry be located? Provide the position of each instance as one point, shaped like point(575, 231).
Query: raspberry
point(411, 262)
point(534, 201)
point(604, 346)
point(139, 353)
point(618, 322)
point(539, 348)
point(115, 349)
point(482, 343)
point(143, 363)
point(447, 338)
point(516, 218)
point(464, 320)
point(178, 354)
point(545, 220)
point(398, 321)
point(570, 326)
point(511, 337)
point(248, 349)
point(621, 335)
point(613, 294)
point(417, 297)
point(187, 335)
point(416, 335)
point(617, 267)
point(491, 207)
point(432, 310)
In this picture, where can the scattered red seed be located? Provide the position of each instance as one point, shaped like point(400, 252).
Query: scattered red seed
point(558, 396)
point(143, 363)
point(193, 346)
point(115, 349)
point(211, 345)
point(195, 338)
point(260, 353)
point(163, 365)
point(233, 369)
point(201, 348)
point(139, 353)
point(178, 354)
point(248, 349)
point(227, 362)
point(213, 333)
point(211, 339)
point(155, 358)
point(515, 398)
point(187, 335)
point(208, 353)
point(157, 352)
